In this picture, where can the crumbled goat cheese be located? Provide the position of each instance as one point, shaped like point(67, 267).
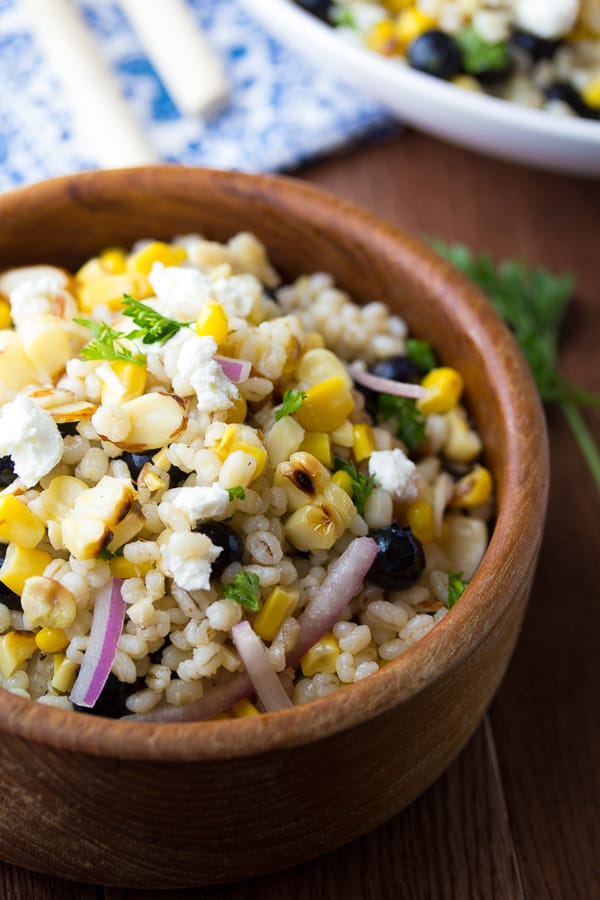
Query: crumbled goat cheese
point(395, 473)
point(30, 436)
point(180, 292)
point(548, 19)
point(201, 502)
point(187, 557)
point(36, 297)
point(189, 362)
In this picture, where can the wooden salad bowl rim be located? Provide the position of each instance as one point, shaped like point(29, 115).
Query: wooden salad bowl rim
point(519, 448)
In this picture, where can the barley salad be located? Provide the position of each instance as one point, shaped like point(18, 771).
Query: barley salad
point(221, 494)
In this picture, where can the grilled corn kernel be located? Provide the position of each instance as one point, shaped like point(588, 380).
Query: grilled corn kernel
point(319, 444)
point(363, 442)
point(277, 607)
point(213, 322)
point(65, 671)
point(20, 564)
point(467, 83)
point(396, 6)
point(243, 708)
point(122, 568)
point(313, 340)
point(59, 497)
point(321, 657)
point(114, 260)
point(343, 435)
point(51, 640)
point(258, 453)
point(237, 412)
point(462, 443)
point(326, 405)
point(108, 291)
point(336, 497)
point(472, 489)
point(317, 365)
point(444, 387)
point(16, 647)
point(18, 523)
point(343, 480)
point(125, 531)
point(284, 438)
point(5, 317)
point(318, 525)
point(45, 343)
point(410, 23)
point(591, 93)
point(302, 477)
point(161, 460)
point(89, 271)
point(132, 379)
point(157, 251)
point(47, 603)
point(382, 38)
point(421, 521)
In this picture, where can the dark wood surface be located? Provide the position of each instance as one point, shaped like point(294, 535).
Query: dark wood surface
point(518, 814)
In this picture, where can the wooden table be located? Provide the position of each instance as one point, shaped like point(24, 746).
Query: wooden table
point(518, 814)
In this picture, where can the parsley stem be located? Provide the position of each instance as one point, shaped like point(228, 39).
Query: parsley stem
point(583, 438)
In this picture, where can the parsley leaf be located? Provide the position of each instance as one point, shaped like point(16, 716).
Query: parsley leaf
point(456, 587)
point(237, 491)
point(244, 590)
point(409, 421)
point(342, 17)
point(153, 328)
point(478, 55)
point(107, 344)
point(532, 302)
point(361, 486)
point(292, 401)
point(109, 554)
point(421, 354)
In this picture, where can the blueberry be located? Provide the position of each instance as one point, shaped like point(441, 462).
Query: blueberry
point(562, 90)
point(535, 47)
point(68, 429)
point(435, 53)
point(137, 461)
point(396, 368)
point(8, 597)
point(400, 558)
point(223, 536)
point(111, 702)
point(7, 471)
point(320, 8)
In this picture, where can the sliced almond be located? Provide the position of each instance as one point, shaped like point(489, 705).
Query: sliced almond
point(155, 420)
point(47, 398)
point(72, 412)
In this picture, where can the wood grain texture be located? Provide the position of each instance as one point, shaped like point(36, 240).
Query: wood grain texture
point(543, 798)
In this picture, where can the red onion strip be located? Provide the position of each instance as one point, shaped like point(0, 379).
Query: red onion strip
point(107, 625)
point(237, 370)
point(388, 386)
point(259, 667)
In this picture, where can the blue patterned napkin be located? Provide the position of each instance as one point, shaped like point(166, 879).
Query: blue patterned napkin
point(281, 111)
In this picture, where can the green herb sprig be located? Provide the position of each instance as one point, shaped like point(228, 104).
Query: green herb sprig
point(236, 492)
point(108, 344)
point(153, 328)
point(244, 589)
point(361, 486)
point(532, 302)
point(479, 55)
point(456, 587)
point(421, 354)
point(292, 401)
point(409, 421)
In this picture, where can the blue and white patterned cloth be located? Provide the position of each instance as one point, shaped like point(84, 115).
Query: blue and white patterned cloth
point(282, 112)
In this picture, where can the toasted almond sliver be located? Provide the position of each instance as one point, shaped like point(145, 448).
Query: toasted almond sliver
point(73, 412)
point(49, 398)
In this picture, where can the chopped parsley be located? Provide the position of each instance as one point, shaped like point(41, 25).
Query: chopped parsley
point(153, 328)
point(361, 486)
point(244, 589)
point(343, 17)
point(236, 492)
point(110, 554)
point(292, 401)
point(480, 56)
point(421, 354)
point(409, 421)
point(456, 587)
point(108, 344)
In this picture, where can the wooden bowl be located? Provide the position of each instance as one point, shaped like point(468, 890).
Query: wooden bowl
point(163, 805)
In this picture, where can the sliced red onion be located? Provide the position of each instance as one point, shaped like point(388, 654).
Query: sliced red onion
point(259, 667)
point(107, 625)
point(237, 370)
point(342, 583)
point(388, 385)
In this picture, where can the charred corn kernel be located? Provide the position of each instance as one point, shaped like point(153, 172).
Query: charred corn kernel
point(132, 379)
point(47, 603)
point(243, 708)
point(225, 445)
point(258, 453)
point(396, 6)
point(64, 674)
point(336, 498)
point(89, 271)
point(319, 364)
point(382, 38)
point(20, 564)
point(51, 640)
point(45, 344)
point(343, 435)
point(114, 260)
point(313, 340)
point(213, 322)
point(162, 459)
point(363, 442)
point(318, 525)
point(421, 521)
point(321, 657)
point(283, 439)
point(444, 387)
point(18, 523)
point(591, 93)
point(238, 410)
point(326, 405)
point(410, 23)
point(60, 495)
point(122, 568)
point(5, 317)
point(126, 530)
point(16, 647)
point(302, 477)
point(472, 489)
point(277, 607)
point(467, 83)
point(319, 444)
point(343, 480)
point(108, 291)
point(157, 251)
point(462, 443)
